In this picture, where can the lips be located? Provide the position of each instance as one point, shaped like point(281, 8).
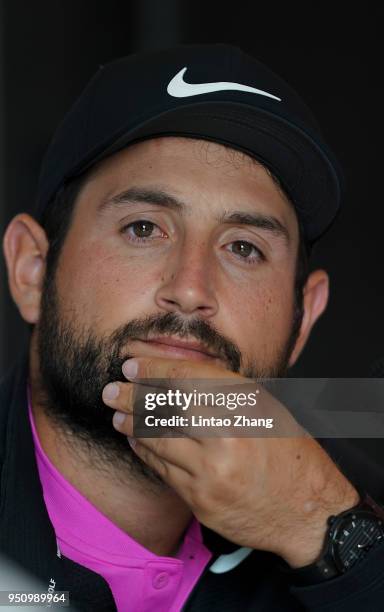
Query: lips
point(184, 344)
point(172, 347)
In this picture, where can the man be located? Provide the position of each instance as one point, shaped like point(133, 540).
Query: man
point(176, 206)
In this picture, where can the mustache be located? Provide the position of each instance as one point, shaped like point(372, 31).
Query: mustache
point(172, 324)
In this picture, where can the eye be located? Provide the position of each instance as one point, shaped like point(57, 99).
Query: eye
point(142, 230)
point(246, 251)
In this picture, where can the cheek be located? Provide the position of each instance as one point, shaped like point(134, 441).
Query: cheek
point(103, 289)
point(260, 317)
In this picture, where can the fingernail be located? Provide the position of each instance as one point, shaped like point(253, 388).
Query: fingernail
point(118, 419)
point(111, 391)
point(130, 368)
point(131, 441)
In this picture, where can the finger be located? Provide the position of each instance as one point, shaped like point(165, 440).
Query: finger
point(182, 452)
point(169, 369)
point(176, 476)
point(123, 422)
point(124, 398)
point(119, 396)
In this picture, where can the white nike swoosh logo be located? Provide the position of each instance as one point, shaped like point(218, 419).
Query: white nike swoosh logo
point(178, 88)
point(225, 563)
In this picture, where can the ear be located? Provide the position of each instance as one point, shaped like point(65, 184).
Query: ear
point(315, 299)
point(25, 248)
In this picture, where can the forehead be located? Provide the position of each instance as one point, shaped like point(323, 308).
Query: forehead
point(205, 174)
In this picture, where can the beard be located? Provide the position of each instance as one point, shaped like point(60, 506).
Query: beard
point(75, 365)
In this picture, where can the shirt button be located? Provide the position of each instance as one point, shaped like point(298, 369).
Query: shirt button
point(160, 580)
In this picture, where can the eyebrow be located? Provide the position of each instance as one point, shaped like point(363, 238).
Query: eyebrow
point(161, 198)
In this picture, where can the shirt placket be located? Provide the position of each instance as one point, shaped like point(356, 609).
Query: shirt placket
point(161, 583)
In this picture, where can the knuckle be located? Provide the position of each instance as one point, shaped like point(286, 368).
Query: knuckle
point(199, 498)
point(146, 367)
point(163, 469)
point(220, 472)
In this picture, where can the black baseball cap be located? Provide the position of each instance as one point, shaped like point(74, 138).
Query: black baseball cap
point(214, 92)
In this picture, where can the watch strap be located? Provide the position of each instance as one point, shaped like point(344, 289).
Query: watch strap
point(324, 568)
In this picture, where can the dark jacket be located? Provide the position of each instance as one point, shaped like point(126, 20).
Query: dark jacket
point(257, 583)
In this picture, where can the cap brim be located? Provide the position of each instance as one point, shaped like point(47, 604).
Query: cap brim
point(308, 172)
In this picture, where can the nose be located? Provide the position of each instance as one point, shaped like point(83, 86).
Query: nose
point(187, 285)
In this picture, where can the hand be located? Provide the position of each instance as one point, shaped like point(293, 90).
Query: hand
point(272, 494)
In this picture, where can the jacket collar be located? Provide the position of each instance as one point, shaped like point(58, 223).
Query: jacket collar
point(26, 533)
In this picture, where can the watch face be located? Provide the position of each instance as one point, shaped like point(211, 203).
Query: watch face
point(354, 536)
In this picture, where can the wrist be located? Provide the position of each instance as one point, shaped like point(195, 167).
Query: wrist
point(307, 537)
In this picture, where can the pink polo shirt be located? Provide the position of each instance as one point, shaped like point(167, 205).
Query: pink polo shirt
point(140, 581)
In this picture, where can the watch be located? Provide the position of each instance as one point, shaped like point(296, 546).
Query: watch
point(350, 537)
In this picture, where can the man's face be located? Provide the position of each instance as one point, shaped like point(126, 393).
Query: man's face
point(174, 240)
